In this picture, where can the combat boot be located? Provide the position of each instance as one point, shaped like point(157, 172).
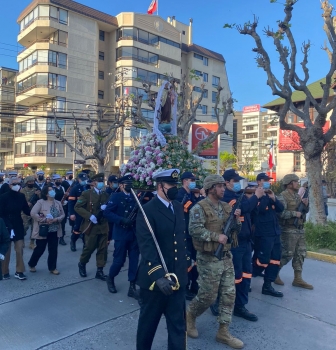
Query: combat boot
point(241, 311)
point(279, 281)
point(62, 241)
point(32, 244)
point(299, 282)
point(110, 285)
point(100, 274)
point(224, 336)
point(133, 292)
point(192, 331)
point(73, 245)
point(267, 289)
point(82, 269)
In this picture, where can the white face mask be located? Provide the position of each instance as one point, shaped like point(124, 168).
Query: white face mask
point(16, 188)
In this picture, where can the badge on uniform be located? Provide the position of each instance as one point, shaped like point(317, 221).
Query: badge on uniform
point(196, 214)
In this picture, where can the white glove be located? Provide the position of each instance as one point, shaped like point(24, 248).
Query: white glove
point(93, 219)
point(65, 203)
point(2, 257)
point(12, 234)
point(49, 216)
point(103, 206)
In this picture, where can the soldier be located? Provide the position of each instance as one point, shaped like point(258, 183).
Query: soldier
point(32, 196)
point(188, 199)
point(207, 219)
point(166, 218)
point(90, 206)
point(59, 196)
point(75, 218)
point(292, 237)
point(267, 244)
point(68, 181)
point(40, 182)
point(243, 252)
point(118, 209)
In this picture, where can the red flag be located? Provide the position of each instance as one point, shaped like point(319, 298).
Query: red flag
point(152, 7)
point(271, 156)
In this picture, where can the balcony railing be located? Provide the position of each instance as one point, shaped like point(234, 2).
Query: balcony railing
point(35, 86)
point(30, 132)
point(37, 63)
point(139, 59)
point(36, 19)
point(40, 154)
point(50, 41)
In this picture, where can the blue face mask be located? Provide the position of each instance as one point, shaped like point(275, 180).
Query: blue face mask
point(83, 182)
point(192, 185)
point(114, 185)
point(51, 193)
point(266, 185)
point(236, 187)
point(100, 185)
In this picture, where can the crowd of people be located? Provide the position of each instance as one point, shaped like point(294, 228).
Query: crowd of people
point(171, 237)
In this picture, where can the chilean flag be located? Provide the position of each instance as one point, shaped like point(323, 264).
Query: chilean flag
point(152, 7)
point(271, 156)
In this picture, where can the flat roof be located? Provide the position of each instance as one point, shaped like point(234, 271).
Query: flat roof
point(202, 51)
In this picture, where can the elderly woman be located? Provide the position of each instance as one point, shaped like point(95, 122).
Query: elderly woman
point(49, 211)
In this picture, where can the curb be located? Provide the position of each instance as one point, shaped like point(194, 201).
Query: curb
point(322, 257)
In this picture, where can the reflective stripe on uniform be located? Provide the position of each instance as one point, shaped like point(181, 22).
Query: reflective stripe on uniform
point(260, 264)
point(72, 198)
point(238, 281)
point(186, 206)
point(275, 262)
point(247, 275)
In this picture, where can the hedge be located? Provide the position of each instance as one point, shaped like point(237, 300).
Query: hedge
point(320, 236)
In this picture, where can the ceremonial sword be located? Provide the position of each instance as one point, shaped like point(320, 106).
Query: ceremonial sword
point(167, 274)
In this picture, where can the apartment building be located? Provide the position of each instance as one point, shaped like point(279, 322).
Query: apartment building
point(75, 57)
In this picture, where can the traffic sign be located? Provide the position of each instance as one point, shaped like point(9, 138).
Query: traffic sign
point(79, 161)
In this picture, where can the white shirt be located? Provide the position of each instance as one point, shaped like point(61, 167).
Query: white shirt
point(166, 203)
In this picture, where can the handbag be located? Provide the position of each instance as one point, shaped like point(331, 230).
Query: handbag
point(43, 230)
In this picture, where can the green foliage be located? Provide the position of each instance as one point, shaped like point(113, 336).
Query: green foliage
point(277, 187)
point(229, 26)
point(193, 75)
point(321, 236)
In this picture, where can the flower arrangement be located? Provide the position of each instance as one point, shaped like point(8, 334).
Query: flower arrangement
point(151, 157)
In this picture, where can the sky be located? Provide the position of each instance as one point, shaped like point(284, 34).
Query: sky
point(247, 82)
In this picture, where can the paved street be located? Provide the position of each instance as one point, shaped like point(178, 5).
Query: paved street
point(68, 312)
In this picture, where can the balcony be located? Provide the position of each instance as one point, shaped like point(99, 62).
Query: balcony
point(41, 44)
point(32, 94)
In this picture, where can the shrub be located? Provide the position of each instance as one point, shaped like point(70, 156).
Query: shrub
point(321, 236)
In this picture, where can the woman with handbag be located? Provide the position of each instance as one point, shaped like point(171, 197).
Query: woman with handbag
point(47, 214)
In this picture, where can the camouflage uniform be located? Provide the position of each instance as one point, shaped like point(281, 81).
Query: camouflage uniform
point(215, 276)
point(292, 238)
point(27, 220)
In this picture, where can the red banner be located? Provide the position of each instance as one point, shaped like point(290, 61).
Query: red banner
point(290, 141)
point(250, 109)
point(201, 132)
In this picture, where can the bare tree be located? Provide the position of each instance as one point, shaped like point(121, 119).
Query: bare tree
point(312, 138)
point(93, 142)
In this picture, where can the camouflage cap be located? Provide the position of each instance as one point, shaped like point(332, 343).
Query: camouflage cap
point(211, 180)
point(29, 178)
point(289, 178)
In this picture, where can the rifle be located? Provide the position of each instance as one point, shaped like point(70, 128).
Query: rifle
point(302, 208)
point(66, 194)
point(229, 226)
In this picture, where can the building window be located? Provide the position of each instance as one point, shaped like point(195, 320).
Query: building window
point(51, 81)
point(40, 148)
point(214, 96)
point(63, 16)
point(101, 55)
point(297, 161)
point(204, 109)
point(101, 35)
point(200, 57)
point(44, 57)
point(137, 54)
point(183, 32)
point(205, 77)
point(249, 127)
point(205, 94)
point(205, 61)
point(215, 81)
point(101, 75)
point(101, 94)
point(116, 152)
point(198, 73)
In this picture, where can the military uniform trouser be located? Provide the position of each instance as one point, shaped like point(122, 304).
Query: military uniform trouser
point(95, 241)
point(293, 247)
point(27, 222)
point(243, 270)
point(267, 256)
point(216, 277)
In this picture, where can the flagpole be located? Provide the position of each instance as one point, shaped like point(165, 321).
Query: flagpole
point(272, 158)
point(157, 9)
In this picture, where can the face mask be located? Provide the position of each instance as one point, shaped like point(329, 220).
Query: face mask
point(100, 185)
point(266, 185)
point(236, 187)
point(70, 177)
point(51, 193)
point(192, 185)
point(82, 182)
point(30, 185)
point(58, 183)
point(171, 193)
point(40, 177)
point(114, 186)
point(127, 188)
point(16, 188)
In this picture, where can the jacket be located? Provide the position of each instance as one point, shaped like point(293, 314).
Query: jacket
point(43, 206)
point(4, 238)
point(11, 205)
point(169, 230)
point(265, 217)
point(247, 206)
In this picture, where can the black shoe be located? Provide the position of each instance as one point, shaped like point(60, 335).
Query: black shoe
point(110, 285)
point(6, 276)
point(20, 276)
point(267, 289)
point(241, 311)
point(73, 246)
point(61, 241)
point(82, 269)
point(100, 274)
point(190, 295)
point(133, 292)
point(214, 308)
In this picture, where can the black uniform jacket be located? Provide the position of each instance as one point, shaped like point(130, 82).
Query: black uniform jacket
point(169, 230)
point(4, 238)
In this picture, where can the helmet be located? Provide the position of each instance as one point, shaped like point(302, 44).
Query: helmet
point(211, 180)
point(289, 178)
point(29, 178)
